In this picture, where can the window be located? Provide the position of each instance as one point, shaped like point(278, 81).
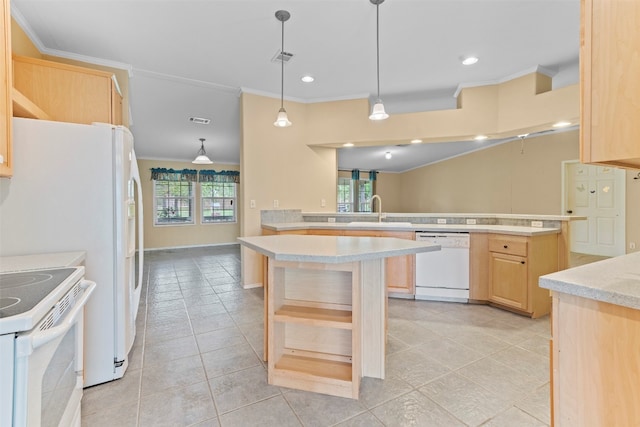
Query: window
point(173, 195)
point(173, 202)
point(365, 192)
point(345, 195)
point(354, 194)
point(218, 201)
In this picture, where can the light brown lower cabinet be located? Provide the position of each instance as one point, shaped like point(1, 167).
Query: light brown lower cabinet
point(595, 365)
point(516, 263)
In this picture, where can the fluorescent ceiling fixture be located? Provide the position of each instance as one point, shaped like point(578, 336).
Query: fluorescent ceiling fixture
point(387, 155)
point(561, 124)
point(307, 79)
point(469, 60)
point(416, 141)
point(480, 137)
point(347, 144)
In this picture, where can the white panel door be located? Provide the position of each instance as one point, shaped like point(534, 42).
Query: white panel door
point(596, 192)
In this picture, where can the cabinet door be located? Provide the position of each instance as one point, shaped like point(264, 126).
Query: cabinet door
point(400, 270)
point(609, 70)
point(508, 280)
point(66, 92)
point(5, 91)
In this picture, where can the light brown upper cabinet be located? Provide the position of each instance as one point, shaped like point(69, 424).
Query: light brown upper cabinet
point(609, 82)
point(6, 167)
point(68, 93)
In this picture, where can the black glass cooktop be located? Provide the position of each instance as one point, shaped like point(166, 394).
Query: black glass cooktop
point(20, 292)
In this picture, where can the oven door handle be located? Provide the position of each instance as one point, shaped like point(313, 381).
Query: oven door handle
point(41, 338)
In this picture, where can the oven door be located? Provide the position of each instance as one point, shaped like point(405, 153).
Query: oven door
point(48, 365)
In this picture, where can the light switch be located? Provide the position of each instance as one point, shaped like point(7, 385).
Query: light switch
point(252, 204)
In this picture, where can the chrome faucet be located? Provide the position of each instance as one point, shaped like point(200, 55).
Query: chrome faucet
point(375, 196)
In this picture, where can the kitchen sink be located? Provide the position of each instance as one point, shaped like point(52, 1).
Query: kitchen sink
point(379, 224)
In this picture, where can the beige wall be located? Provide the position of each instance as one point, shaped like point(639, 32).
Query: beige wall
point(156, 237)
point(498, 179)
point(388, 187)
point(277, 164)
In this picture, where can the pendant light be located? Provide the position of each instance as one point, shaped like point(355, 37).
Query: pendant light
point(378, 112)
point(201, 158)
point(282, 121)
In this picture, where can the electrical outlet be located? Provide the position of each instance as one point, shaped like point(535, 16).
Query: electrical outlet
point(331, 219)
point(471, 222)
point(252, 204)
point(276, 203)
point(632, 245)
point(536, 224)
point(442, 220)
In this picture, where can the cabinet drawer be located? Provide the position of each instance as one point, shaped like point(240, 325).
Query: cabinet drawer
point(511, 246)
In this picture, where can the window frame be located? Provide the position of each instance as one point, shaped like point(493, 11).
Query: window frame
point(190, 198)
point(234, 202)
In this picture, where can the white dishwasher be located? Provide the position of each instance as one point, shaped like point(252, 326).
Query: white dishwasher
point(443, 275)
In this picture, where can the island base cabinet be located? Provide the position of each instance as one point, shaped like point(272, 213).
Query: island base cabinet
point(314, 334)
point(595, 364)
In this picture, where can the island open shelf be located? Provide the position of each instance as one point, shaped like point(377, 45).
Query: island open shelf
point(326, 309)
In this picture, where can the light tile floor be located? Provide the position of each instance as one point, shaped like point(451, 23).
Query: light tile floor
point(197, 360)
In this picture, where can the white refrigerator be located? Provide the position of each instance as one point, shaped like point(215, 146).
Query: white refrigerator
point(77, 188)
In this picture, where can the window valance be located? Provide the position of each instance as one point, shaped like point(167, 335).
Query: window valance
point(222, 176)
point(163, 174)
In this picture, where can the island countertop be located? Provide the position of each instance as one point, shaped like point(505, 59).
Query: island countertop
point(615, 281)
point(333, 249)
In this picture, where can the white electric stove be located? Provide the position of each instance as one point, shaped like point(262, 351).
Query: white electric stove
point(41, 320)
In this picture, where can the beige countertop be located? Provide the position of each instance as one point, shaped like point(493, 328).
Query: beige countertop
point(41, 261)
point(615, 281)
point(479, 228)
point(333, 249)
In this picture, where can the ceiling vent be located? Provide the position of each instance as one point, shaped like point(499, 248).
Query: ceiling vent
point(282, 57)
point(199, 120)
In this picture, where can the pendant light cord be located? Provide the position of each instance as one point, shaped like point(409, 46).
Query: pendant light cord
point(282, 69)
point(378, 47)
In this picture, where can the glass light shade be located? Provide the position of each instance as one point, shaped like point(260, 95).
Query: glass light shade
point(378, 112)
point(202, 159)
point(282, 121)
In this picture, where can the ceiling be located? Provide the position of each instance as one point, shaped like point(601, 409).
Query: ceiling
point(193, 58)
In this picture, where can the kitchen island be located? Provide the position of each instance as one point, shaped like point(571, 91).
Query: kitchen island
point(326, 308)
point(595, 370)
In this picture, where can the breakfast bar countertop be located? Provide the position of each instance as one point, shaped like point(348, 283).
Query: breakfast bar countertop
point(615, 281)
point(451, 228)
point(333, 249)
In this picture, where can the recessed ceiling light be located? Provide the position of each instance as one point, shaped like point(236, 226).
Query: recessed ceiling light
point(347, 144)
point(307, 79)
point(387, 155)
point(480, 137)
point(561, 124)
point(469, 60)
point(416, 141)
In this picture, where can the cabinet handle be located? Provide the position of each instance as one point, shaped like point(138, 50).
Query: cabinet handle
point(506, 246)
point(521, 262)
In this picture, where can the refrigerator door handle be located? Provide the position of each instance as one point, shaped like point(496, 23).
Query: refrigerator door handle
point(135, 175)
